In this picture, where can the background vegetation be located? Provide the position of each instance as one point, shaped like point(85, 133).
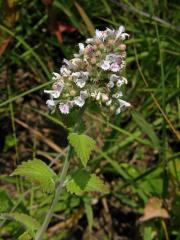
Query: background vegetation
point(138, 151)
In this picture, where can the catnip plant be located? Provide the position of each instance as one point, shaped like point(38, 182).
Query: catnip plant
point(95, 75)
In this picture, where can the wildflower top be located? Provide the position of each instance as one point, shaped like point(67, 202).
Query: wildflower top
point(95, 73)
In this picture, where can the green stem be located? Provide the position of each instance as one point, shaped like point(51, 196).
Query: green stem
point(49, 214)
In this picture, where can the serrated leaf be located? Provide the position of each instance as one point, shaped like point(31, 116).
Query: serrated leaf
point(27, 221)
point(38, 172)
point(146, 128)
point(82, 181)
point(83, 146)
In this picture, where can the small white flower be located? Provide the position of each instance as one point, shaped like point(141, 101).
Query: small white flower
point(50, 103)
point(124, 35)
point(64, 108)
point(102, 35)
point(68, 63)
point(108, 103)
point(123, 64)
point(80, 78)
point(98, 96)
point(120, 31)
point(93, 94)
point(84, 94)
point(114, 78)
point(81, 48)
point(76, 74)
point(122, 104)
point(89, 40)
point(110, 84)
point(117, 95)
point(124, 80)
point(79, 101)
point(115, 67)
point(76, 62)
point(121, 81)
point(58, 86)
point(110, 32)
point(65, 71)
point(80, 82)
point(56, 76)
point(53, 93)
point(112, 57)
point(118, 110)
point(99, 34)
point(105, 65)
point(85, 74)
point(105, 97)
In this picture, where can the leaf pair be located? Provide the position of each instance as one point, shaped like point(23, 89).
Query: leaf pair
point(78, 182)
point(82, 181)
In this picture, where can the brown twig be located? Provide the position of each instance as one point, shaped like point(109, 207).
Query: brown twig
point(67, 223)
point(40, 136)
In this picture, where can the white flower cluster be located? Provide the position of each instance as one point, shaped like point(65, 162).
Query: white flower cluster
point(95, 73)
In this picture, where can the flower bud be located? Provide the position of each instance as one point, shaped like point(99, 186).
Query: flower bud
point(70, 78)
point(88, 50)
point(110, 42)
point(72, 93)
point(89, 68)
point(98, 41)
point(98, 53)
point(98, 96)
point(122, 47)
point(95, 47)
point(93, 60)
point(55, 86)
point(105, 97)
point(101, 46)
point(112, 108)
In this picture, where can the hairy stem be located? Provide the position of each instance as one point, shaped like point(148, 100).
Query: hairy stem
point(50, 212)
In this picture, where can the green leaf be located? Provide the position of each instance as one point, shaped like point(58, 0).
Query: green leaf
point(153, 182)
point(10, 141)
point(83, 146)
point(174, 168)
point(89, 214)
point(146, 128)
point(38, 172)
point(25, 236)
point(27, 221)
point(148, 232)
point(82, 181)
point(5, 201)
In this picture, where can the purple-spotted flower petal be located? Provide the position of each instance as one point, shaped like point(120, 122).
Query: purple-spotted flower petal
point(64, 108)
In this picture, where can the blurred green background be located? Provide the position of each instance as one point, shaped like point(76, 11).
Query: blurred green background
point(138, 151)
